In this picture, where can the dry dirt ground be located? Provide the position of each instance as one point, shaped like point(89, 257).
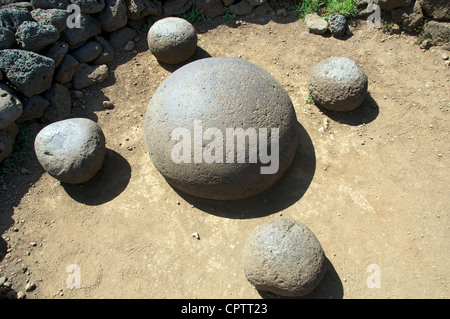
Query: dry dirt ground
point(373, 184)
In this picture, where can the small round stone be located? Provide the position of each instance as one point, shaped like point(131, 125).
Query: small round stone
point(338, 84)
point(283, 257)
point(71, 150)
point(210, 124)
point(172, 40)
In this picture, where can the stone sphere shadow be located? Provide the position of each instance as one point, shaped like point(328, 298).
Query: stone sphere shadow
point(284, 193)
point(107, 184)
point(198, 55)
point(363, 114)
point(329, 288)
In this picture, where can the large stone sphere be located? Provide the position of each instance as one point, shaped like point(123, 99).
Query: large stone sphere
point(217, 98)
point(337, 84)
point(172, 40)
point(71, 150)
point(283, 257)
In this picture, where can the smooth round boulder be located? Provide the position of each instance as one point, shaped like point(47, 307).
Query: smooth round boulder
point(71, 150)
point(337, 84)
point(221, 128)
point(172, 40)
point(284, 257)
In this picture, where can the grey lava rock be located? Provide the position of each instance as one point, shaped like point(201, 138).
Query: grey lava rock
point(68, 67)
point(114, 16)
point(34, 106)
point(315, 23)
point(90, 6)
point(410, 18)
point(34, 37)
point(107, 54)
point(338, 84)
point(284, 257)
point(10, 106)
point(210, 8)
point(241, 8)
point(138, 9)
point(338, 24)
point(436, 9)
point(88, 52)
point(172, 40)
point(71, 150)
point(176, 7)
point(220, 93)
point(7, 39)
point(13, 18)
point(76, 37)
point(60, 104)
point(7, 139)
point(54, 17)
point(120, 37)
point(439, 31)
point(56, 52)
point(28, 72)
point(51, 4)
point(88, 75)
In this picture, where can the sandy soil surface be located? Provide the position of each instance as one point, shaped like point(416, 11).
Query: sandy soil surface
point(373, 184)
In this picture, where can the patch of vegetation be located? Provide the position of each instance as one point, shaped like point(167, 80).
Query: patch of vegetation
point(147, 26)
point(194, 15)
point(228, 15)
point(309, 99)
point(325, 8)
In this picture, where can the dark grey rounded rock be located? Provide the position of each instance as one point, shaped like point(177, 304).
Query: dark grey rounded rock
point(71, 150)
point(7, 140)
point(56, 52)
point(337, 84)
point(7, 39)
point(172, 40)
point(284, 257)
point(76, 37)
point(88, 52)
point(10, 106)
point(90, 6)
point(219, 94)
point(34, 107)
point(114, 15)
point(338, 24)
point(66, 70)
point(60, 103)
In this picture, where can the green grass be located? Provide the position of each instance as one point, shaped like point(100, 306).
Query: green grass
point(309, 99)
point(227, 15)
point(194, 15)
point(325, 8)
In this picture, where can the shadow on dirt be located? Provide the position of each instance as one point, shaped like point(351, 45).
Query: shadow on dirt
point(107, 184)
point(329, 288)
point(198, 55)
point(363, 114)
point(286, 192)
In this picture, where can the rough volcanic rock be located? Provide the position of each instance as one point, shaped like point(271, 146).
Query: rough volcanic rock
point(34, 37)
point(30, 73)
point(10, 106)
